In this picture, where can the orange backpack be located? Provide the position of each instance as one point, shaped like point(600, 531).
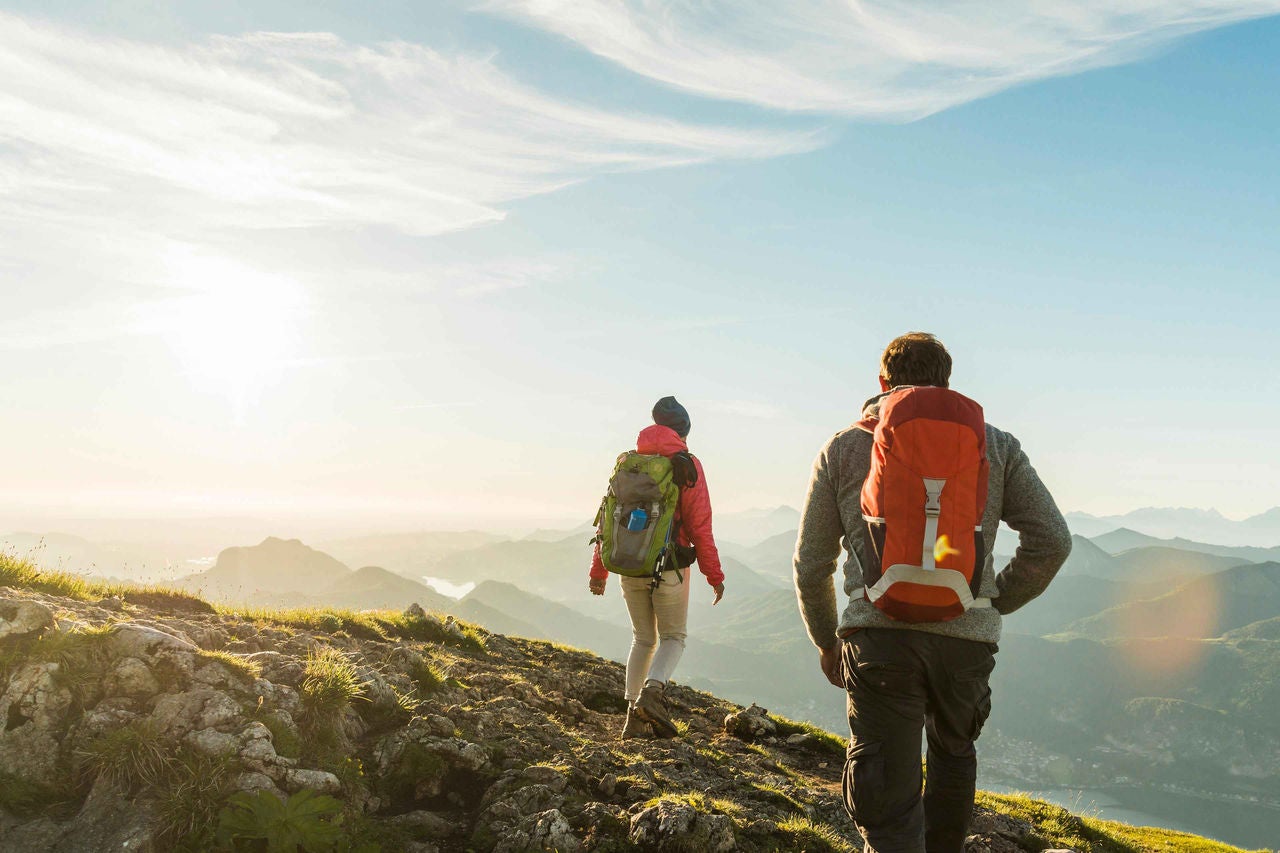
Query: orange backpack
point(923, 502)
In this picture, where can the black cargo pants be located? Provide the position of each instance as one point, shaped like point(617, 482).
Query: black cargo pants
point(900, 681)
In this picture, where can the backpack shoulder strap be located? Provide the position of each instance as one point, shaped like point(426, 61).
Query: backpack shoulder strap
point(683, 470)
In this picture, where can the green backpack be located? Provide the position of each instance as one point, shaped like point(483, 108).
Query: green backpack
point(634, 524)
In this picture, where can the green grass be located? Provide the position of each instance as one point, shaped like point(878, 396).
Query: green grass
point(814, 837)
point(22, 573)
point(1057, 827)
point(192, 793)
point(427, 678)
point(129, 758)
point(382, 625)
point(777, 796)
point(247, 669)
point(329, 684)
point(702, 803)
point(820, 740)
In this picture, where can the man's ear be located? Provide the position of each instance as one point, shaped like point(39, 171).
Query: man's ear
point(884, 384)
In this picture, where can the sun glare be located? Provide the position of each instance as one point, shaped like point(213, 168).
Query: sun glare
point(234, 329)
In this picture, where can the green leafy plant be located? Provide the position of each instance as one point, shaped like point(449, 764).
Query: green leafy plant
point(307, 821)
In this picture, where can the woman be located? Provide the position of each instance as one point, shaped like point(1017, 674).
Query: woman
point(659, 612)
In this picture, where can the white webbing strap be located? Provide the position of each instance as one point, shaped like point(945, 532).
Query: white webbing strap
point(932, 509)
point(949, 578)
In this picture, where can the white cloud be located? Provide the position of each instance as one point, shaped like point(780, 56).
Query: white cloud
point(273, 130)
point(880, 59)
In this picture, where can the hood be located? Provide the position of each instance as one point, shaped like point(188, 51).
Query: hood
point(660, 440)
point(871, 408)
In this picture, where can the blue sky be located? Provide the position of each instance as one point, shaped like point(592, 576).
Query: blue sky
point(435, 265)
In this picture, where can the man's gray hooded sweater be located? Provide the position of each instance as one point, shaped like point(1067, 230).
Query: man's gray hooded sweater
point(833, 517)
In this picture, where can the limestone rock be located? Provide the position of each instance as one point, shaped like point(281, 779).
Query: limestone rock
point(751, 723)
point(20, 618)
point(136, 640)
point(679, 828)
point(33, 708)
point(548, 830)
point(131, 677)
point(177, 714)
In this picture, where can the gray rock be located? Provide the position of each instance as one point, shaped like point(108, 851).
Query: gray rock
point(112, 602)
point(135, 640)
point(678, 827)
point(435, 825)
point(21, 618)
point(415, 611)
point(318, 780)
point(251, 782)
point(212, 742)
point(131, 677)
point(607, 785)
point(548, 830)
point(177, 714)
point(750, 724)
point(34, 708)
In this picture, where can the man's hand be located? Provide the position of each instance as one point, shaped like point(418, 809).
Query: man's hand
point(719, 593)
point(597, 586)
point(830, 661)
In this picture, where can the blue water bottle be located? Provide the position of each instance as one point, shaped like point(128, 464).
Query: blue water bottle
point(637, 520)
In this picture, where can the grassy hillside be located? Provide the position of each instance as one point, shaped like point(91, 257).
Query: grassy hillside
point(418, 731)
point(1206, 607)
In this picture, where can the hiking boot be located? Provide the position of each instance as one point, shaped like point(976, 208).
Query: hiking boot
point(634, 726)
point(652, 707)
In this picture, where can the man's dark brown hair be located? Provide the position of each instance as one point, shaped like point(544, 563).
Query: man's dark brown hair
point(916, 358)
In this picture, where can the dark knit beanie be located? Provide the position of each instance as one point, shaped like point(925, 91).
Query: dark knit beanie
point(670, 413)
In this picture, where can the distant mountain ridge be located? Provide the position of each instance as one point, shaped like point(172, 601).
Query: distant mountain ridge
point(1205, 525)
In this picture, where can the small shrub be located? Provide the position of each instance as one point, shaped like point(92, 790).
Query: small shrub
point(306, 821)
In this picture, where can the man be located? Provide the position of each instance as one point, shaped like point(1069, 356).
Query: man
point(660, 611)
point(904, 676)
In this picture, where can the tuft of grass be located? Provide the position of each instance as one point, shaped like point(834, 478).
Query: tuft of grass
point(820, 740)
point(129, 758)
point(427, 679)
point(774, 794)
point(814, 837)
point(241, 666)
point(194, 789)
point(329, 685)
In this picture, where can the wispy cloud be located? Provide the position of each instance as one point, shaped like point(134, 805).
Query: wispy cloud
point(880, 59)
point(271, 130)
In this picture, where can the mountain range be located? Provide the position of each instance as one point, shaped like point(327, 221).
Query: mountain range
point(1206, 525)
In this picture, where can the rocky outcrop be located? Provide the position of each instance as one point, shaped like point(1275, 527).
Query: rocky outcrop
point(127, 727)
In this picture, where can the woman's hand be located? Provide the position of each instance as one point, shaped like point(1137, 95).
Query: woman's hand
point(719, 593)
point(597, 586)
